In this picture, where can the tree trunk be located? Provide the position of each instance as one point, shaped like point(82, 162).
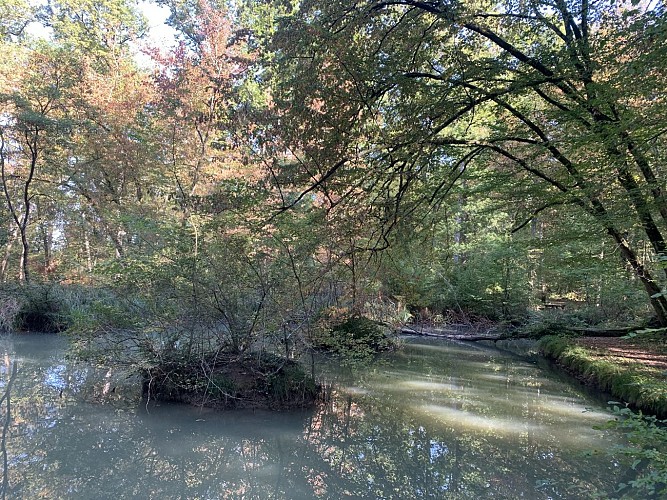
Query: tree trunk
point(658, 301)
point(8, 250)
point(46, 237)
point(21, 220)
point(89, 254)
point(24, 270)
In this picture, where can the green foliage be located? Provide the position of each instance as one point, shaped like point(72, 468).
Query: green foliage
point(43, 308)
point(546, 323)
point(103, 311)
point(52, 307)
point(466, 258)
point(220, 386)
point(461, 259)
point(14, 17)
point(95, 28)
point(9, 309)
point(192, 315)
point(646, 449)
point(571, 315)
point(290, 383)
point(355, 337)
point(418, 98)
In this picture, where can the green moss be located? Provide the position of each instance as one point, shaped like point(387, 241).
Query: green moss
point(638, 385)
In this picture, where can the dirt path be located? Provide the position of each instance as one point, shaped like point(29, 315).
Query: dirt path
point(625, 351)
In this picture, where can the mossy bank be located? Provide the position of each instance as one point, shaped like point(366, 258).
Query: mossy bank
point(631, 371)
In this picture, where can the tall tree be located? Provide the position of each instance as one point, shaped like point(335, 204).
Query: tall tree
point(108, 170)
point(34, 103)
point(100, 29)
point(390, 95)
point(197, 110)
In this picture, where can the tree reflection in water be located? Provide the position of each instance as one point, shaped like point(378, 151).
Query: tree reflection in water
point(6, 404)
point(386, 433)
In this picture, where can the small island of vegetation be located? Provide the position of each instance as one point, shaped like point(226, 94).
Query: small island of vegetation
point(288, 177)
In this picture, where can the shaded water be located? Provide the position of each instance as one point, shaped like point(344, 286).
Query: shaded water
point(436, 420)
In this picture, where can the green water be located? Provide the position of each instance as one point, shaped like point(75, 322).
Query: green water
point(435, 420)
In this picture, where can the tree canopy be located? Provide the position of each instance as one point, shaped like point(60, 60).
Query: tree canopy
point(288, 165)
point(402, 99)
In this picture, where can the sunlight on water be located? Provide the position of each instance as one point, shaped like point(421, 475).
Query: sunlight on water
point(464, 420)
point(452, 349)
point(495, 377)
point(356, 390)
point(424, 385)
point(577, 411)
point(434, 420)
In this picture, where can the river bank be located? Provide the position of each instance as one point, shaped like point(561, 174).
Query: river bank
point(632, 368)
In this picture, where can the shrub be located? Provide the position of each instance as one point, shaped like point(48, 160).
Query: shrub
point(545, 323)
point(290, 383)
point(646, 448)
point(9, 309)
point(354, 337)
point(43, 308)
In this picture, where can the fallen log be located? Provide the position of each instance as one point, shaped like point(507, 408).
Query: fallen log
point(602, 332)
point(452, 334)
point(447, 334)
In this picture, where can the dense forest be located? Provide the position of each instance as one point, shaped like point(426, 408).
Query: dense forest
point(285, 169)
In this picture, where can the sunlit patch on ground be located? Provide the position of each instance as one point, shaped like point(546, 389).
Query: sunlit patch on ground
point(651, 354)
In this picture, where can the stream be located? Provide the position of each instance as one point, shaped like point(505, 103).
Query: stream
point(437, 419)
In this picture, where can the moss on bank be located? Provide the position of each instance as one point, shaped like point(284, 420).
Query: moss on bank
point(226, 381)
point(636, 383)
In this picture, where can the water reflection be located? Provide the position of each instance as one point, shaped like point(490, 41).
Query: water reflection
point(431, 422)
